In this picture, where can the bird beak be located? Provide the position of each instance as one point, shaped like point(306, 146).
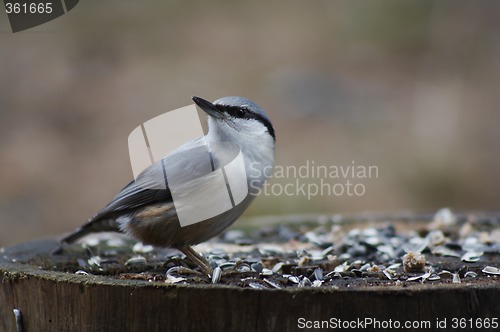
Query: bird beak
point(208, 107)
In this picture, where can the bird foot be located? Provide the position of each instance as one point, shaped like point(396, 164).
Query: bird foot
point(198, 259)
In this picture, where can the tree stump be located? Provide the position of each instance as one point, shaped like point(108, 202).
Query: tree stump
point(34, 297)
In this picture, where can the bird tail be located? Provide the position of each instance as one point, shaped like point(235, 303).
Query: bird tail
point(93, 226)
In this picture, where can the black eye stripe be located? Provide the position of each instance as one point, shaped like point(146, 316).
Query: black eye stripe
point(238, 112)
point(247, 114)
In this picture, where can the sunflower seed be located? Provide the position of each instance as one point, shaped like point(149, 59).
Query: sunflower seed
point(434, 277)
point(317, 283)
point(242, 267)
point(305, 282)
point(327, 251)
point(218, 252)
point(341, 268)
point(257, 267)
point(318, 274)
point(491, 270)
point(423, 277)
point(472, 256)
point(82, 262)
point(435, 238)
point(174, 269)
point(443, 251)
point(141, 248)
point(278, 267)
point(174, 280)
point(216, 275)
point(445, 274)
point(365, 267)
point(257, 285)
point(386, 249)
point(95, 261)
point(470, 274)
point(227, 265)
point(135, 260)
point(181, 270)
point(443, 218)
point(414, 278)
point(426, 276)
point(272, 283)
point(394, 266)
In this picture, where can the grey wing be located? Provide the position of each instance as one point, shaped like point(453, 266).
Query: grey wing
point(150, 187)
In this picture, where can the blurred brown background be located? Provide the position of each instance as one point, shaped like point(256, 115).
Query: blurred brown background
point(408, 86)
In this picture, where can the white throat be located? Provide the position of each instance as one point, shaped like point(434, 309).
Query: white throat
point(253, 140)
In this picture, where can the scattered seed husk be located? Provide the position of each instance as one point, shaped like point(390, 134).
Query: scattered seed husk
point(272, 283)
point(141, 248)
point(434, 277)
point(341, 268)
point(135, 260)
point(394, 266)
point(472, 256)
point(422, 277)
point(257, 285)
point(435, 238)
point(445, 274)
point(267, 272)
point(414, 278)
point(242, 267)
point(327, 251)
point(442, 219)
point(257, 267)
point(491, 270)
point(181, 270)
point(174, 280)
point(318, 274)
point(216, 275)
point(387, 274)
point(95, 261)
point(278, 267)
point(444, 251)
point(317, 283)
point(227, 265)
point(305, 282)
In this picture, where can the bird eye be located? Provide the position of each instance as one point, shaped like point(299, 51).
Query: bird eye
point(240, 113)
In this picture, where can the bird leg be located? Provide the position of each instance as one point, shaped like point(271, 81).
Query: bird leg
point(196, 258)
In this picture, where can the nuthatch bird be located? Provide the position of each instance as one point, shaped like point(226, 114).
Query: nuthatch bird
point(150, 207)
